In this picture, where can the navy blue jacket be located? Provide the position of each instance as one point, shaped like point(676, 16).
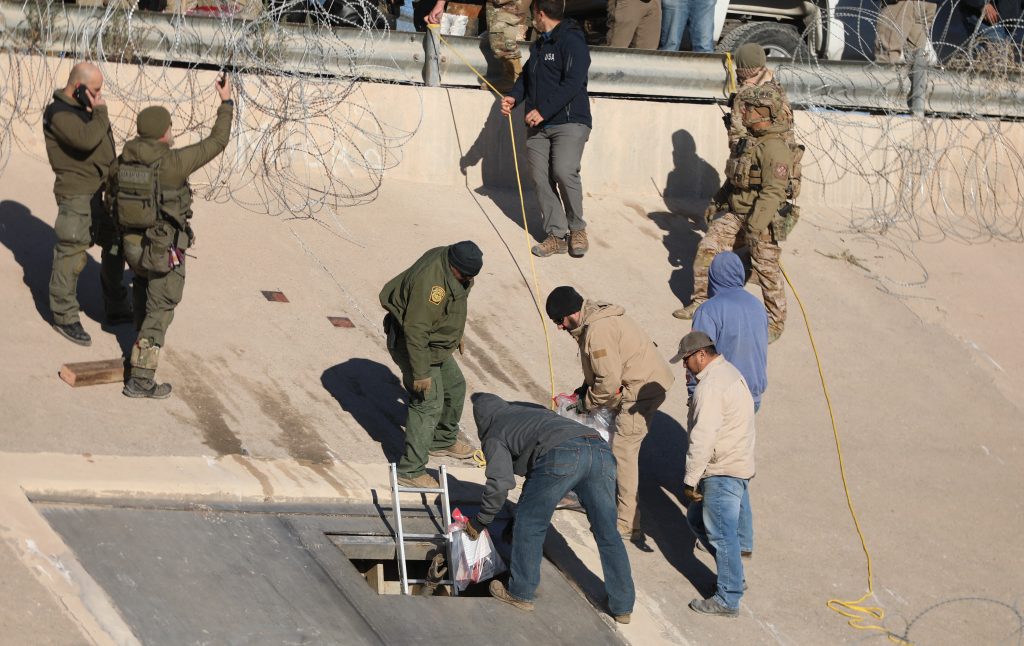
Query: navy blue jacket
point(554, 80)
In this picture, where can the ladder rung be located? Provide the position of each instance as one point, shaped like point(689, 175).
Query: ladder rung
point(432, 537)
point(420, 490)
point(442, 582)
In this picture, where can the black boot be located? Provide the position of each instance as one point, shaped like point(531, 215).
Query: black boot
point(139, 387)
point(74, 332)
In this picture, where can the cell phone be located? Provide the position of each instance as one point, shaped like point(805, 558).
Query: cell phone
point(223, 79)
point(82, 97)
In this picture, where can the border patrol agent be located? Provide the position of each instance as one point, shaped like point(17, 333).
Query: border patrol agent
point(153, 206)
point(426, 319)
point(80, 148)
point(762, 177)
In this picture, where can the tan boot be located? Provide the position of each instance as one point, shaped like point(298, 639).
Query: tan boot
point(686, 313)
point(774, 332)
point(578, 244)
point(499, 592)
point(422, 481)
point(459, 450)
point(550, 247)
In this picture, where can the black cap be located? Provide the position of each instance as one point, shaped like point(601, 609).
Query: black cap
point(695, 340)
point(466, 257)
point(563, 301)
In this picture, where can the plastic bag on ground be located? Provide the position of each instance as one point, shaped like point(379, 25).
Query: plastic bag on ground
point(601, 420)
point(472, 561)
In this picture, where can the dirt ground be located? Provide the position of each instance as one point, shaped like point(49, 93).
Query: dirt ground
point(927, 387)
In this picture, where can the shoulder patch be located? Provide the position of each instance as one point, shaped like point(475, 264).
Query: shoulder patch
point(436, 294)
point(781, 171)
point(598, 354)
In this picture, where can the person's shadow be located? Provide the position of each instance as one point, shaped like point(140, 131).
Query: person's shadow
point(374, 396)
point(663, 463)
point(688, 188)
point(31, 242)
point(493, 151)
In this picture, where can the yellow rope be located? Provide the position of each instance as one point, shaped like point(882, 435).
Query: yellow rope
point(857, 612)
point(730, 74)
point(522, 207)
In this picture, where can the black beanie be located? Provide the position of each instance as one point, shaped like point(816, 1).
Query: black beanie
point(563, 301)
point(466, 257)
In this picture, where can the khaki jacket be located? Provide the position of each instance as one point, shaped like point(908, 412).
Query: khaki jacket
point(721, 423)
point(617, 354)
point(770, 169)
point(79, 145)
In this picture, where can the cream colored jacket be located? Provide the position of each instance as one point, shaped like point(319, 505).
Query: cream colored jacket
point(721, 423)
point(617, 354)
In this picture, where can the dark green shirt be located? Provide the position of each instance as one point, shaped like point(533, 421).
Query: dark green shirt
point(79, 145)
point(430, 304)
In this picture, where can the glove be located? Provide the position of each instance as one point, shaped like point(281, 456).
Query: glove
point(473, 528)
point(692, 494)
point(710, 212)
point(582, 391)
point(580, 407)
point(422, 386)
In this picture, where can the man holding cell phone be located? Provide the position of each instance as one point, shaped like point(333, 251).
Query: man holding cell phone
point(80, 147)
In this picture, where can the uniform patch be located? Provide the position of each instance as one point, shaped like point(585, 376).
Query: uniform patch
point(600, 353)
point(436, 294)
point(781, 171)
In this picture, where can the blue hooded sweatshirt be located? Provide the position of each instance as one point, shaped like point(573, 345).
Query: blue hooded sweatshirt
point(736, 322)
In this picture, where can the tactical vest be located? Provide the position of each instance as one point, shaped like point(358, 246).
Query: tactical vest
point(743, 174)
point(140, 202)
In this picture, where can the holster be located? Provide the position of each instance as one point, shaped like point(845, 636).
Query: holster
point(393, 330)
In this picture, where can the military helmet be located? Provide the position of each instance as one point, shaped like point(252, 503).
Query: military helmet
point(763, 96)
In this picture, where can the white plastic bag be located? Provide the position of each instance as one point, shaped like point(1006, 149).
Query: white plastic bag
point(453, 25)
point(474, 561)
point(601, 420)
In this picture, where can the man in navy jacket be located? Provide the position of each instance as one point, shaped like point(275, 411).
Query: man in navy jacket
point(554, 87)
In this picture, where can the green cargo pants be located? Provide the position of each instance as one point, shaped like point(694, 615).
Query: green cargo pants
point(82, 221)
point(433, 420)
point(155, 296)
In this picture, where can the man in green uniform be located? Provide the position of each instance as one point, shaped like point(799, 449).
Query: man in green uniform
point(426, 319)
point(153, 206)
point(80, 148)
point(758, 187)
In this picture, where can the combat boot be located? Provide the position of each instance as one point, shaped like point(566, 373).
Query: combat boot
point(686, 313)
point(422, 481)
point(74, 332)
point(498, 591)
point(774, 332)
point(460, 450)
point(142, 388)
point(550, 247)
point(578, 244)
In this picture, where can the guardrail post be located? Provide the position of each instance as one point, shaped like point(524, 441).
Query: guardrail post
point(432, 62)
point(918, 82)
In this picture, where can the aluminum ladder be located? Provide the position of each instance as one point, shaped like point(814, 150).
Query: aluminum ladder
point(401, 535)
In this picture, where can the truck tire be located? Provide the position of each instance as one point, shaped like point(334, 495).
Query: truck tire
point(778, 39)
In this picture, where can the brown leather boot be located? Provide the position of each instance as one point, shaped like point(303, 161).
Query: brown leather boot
point(460, 450)
point(550, 247)
point(578, 244)
point(686, 313)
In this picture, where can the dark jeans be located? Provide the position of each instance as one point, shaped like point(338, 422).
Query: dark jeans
point(584, 465)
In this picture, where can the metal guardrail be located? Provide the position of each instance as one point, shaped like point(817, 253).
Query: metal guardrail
point(416, 58)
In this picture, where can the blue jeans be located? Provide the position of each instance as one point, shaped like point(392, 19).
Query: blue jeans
point(584, 465)
point(716, 522)
point(701, 16)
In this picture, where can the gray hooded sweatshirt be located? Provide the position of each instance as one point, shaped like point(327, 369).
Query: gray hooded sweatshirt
point(513, 437)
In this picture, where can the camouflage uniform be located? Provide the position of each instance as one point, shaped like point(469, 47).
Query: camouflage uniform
point(506, 26)
point(759, 182)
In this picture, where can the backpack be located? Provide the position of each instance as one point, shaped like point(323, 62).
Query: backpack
point(137, 195)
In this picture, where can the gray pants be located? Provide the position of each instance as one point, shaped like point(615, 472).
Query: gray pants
point(555, 153)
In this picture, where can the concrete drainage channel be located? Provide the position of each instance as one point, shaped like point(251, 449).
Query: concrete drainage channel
point(275, 573)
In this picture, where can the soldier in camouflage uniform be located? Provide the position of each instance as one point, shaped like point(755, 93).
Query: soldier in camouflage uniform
point(80, 148)
point(427, 305)
point(156, 253)
point(506, 26)
point(760, 180)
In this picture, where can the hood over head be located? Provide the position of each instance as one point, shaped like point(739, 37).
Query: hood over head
point(726, 272)
point(485, 407)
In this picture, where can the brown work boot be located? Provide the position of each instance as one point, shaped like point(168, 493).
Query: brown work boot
point(578, 244)
point(460, 450)
point(774, 332)
point(422, 481)
point(499, 592)
point(686, 313)
point(550, 247)
point(623, 619)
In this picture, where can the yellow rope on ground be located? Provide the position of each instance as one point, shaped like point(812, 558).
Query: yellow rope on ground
point(522, 207)
point(856, 611)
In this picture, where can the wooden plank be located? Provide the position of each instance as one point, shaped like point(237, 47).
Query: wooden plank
point(91, 373)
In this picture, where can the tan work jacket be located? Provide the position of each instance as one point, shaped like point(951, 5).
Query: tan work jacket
point(721, 423)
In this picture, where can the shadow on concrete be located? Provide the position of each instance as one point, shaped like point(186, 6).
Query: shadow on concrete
point(662, 465)
point(31, 242)
point(493, 151)
point(374, 396)
point(688, 188)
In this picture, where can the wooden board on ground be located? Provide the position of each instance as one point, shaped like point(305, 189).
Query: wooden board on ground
point(91, 373)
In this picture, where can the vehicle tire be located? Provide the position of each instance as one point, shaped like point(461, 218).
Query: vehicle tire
point(779, 40)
